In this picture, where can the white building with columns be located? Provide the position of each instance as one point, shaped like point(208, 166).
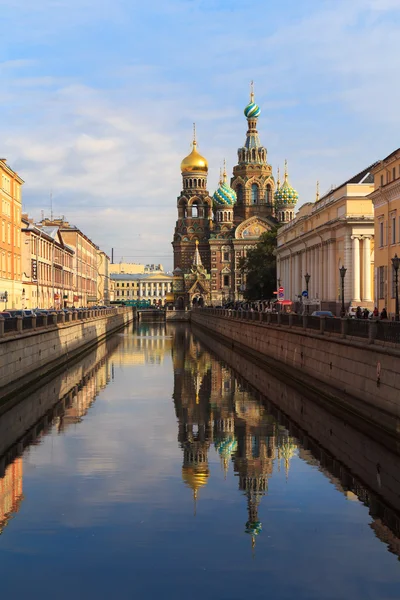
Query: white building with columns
point(141, 286)
point(334, 231)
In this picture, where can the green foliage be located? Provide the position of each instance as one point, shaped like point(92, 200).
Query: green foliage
point(259, 267)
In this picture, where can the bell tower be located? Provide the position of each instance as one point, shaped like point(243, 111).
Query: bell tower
point(252, 178)
point(194, 211)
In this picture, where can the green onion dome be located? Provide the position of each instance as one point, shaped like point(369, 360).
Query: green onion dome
point(285, 194)
point(225, 195)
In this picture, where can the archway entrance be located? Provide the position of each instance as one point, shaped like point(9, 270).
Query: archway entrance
point(180, 304)
point(198, 301)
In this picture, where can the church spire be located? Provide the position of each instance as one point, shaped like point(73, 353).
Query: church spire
point(197, 258)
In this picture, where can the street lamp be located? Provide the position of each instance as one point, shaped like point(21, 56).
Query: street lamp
point(342, 272)
point(307, 278)
point(396, 264)
point(262, 289)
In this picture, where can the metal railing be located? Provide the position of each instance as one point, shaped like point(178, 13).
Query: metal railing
point(365, 329)
point(29, 323)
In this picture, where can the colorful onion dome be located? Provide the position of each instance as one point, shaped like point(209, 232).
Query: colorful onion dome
point(253, 528)
point(195, 477)
point(225, 195)
point(194, 162)
point(252, 110)
point(285, 194)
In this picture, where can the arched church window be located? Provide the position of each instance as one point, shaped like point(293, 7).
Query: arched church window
point(195, 211)
point(268, 194)
point(239, 193)
point(190, 183)
point(253, 154)
point(254, 193)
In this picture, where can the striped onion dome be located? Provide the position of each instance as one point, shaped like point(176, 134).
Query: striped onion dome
point(225, 195)
point(285, 194)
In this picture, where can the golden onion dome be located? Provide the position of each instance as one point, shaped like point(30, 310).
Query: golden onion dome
point(195, 477)
point(194, 162)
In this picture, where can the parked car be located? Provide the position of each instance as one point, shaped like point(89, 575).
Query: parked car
point(323, 313)
point(5, 315)
point(22, 313)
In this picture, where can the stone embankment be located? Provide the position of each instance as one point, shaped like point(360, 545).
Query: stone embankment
point(27, 356)
point(358, 374)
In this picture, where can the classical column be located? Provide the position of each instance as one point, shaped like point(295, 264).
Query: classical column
point(332, 293)
point(141, 290)
point(367, 269)
point(356, 268)
point(303, 268)
point(348, 263)
point(163, 290)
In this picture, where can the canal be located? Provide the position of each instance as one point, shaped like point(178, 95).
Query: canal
point(153, 468)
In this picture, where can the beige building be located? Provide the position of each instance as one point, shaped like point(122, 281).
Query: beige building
point(152, 286)
point(48, 267)
point(85, 261)
point(103, 277)
point(386, 201)
point(334, 231)
point(135, 268)
point(10, 238)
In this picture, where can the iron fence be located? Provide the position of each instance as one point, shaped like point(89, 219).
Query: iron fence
point(333, 325)
point(27, 323)
point(358, 327)
point(388, 331)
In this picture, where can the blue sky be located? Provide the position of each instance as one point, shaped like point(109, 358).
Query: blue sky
point(98, 99)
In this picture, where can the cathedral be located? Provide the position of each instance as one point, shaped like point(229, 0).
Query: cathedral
point(213, 234)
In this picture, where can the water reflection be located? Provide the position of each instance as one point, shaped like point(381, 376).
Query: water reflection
point(187, 495)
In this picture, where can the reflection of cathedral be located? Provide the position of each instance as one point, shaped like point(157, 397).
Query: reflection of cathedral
point(212, 407)
point(213, 234)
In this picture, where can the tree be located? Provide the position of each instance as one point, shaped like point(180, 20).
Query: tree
point(259, 267)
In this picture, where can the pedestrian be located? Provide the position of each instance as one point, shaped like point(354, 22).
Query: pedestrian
point(384, 313)
point(358, 312)
point(376, 312)
point(366, 313)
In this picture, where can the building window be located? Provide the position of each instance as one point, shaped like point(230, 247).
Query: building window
point(393, 230)
point(226, 280)
point(381, 180)
point(122, 285)
point(394, 173)
point(122, 293)
point(268, 195)
point(381, 281)
point(239, 193)
point(254, 193)
point(381, 234)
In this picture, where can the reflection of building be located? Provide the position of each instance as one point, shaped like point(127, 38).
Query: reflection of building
point(10, 491)
point(212, 407)
point(192, 379)
point(149, 343)
point(228, 224)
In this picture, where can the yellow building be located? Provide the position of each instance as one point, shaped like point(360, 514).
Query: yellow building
point(386, 201)
point(334, 231)
point(10, 238)
point(143, 286)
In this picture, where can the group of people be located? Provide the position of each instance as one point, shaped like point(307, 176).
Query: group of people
point(364, 314)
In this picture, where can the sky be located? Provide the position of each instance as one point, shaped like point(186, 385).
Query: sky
point(98, 100)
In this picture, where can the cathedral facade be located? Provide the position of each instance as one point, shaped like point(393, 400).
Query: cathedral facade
point(213, 233)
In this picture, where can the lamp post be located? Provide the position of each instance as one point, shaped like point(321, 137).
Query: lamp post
point(342, 272)
point(307, 278)
point(396, 264)
point(262, 289)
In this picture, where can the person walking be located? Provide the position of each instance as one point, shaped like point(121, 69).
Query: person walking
point(384, 313)
point(358, 313)
point(366, 313)
point(376, 312)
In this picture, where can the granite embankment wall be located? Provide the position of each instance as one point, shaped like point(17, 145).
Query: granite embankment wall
point(352, 461)
point(352, 374)
point(29, 356)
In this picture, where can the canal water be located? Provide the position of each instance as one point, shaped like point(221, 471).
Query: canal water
point(153, 469)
